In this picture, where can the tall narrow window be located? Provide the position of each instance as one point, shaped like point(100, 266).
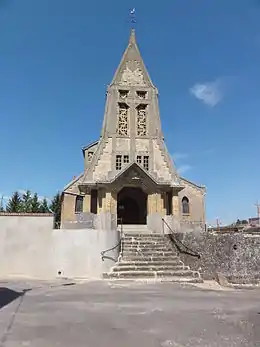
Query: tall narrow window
point(79, 204)
point(93, 201)
point(185, 205)
point(141, 120)
point(168, 203)
point(146, 162)
point(118, 162)
point(122, 124)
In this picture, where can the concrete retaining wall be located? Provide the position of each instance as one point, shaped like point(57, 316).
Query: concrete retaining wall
point(235, 255)
point(30, 247)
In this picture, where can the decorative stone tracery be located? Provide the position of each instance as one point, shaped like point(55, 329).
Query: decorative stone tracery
point(141, 121)
point(132, 75)
point(122, 124)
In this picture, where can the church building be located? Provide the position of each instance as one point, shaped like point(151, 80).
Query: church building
point(129, 172)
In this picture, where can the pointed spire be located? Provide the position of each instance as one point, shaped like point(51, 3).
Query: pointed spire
point(132, 66)
point(132, 39)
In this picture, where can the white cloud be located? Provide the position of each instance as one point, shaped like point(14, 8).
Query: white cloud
point(40, 197)
point(183, 168)
point(209, 92)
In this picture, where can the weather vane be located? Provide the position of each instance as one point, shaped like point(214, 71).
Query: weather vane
point(132, 16)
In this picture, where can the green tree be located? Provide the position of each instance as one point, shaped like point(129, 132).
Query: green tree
point(15, 203)
point(244, 222)
point(35, 204)
point(44, 208)
point(55, 208)
point(27, 202)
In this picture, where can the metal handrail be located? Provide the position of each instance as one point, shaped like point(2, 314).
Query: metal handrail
point(177, 243)
point(117, 245)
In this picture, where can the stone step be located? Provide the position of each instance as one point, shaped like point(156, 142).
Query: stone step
point(150, 268)
point(147, 253)
point(135, 226)
point(172, 279)
point(144, 236)
point(144, 241)
point(150, 259)
point(147, 243)
point(148, 249)
point(149, 263)
point(143, 274)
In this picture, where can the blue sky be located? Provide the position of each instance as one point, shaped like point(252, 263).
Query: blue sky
point(57, 57)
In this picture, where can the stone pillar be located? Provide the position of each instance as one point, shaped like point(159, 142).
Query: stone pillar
point(101, 201)
point(152, 203)
point(86, 203)
point(163, 203)
point(156, 203)
point(175, 206)
point(113, 202)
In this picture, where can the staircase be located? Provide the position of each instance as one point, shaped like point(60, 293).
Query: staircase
point(151, 256)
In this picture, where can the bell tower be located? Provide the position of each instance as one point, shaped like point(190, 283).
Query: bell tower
point(131, 131)
point(128, 172)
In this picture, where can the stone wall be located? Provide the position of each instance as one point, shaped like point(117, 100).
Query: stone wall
point(235, 255)
point(30, 247)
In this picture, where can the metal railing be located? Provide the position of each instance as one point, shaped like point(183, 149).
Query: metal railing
point(118, 245)
point(181, 247)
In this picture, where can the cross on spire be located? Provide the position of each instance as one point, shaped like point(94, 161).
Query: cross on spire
point(132, 16)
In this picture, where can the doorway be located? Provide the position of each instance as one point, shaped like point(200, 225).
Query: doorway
point(132, 206)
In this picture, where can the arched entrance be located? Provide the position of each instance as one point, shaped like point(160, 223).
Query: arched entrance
point(132, 205)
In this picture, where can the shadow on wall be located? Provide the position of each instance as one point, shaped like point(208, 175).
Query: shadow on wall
point(8, 295)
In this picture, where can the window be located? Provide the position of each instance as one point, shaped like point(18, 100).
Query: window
point(123, 93)
point(146, 162)
point(141, 120)
point(141, 94)
point(139, 159)
point(79, 204)
point(185, 205)
point(118, 162)
point(126, 159)
point(93, 201)
point(90, 156)
point(122, 124)
point(168, 203)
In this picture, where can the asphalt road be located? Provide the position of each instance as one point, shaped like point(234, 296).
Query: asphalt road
point(126, 314)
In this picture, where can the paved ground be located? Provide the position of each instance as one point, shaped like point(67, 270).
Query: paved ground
point(127, 314)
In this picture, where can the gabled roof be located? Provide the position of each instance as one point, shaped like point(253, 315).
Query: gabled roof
point(85, 148)
point(73, 181)
point(135, 168)
point(192, 183)
point(132, 58)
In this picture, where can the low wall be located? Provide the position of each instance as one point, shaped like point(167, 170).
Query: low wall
point(235, 255)
point(87, 220)
point(30, 247)
point(172, 223)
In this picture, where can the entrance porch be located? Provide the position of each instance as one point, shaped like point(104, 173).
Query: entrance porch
point(133, 196)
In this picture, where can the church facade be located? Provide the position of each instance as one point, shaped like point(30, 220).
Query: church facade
point(128, 171)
